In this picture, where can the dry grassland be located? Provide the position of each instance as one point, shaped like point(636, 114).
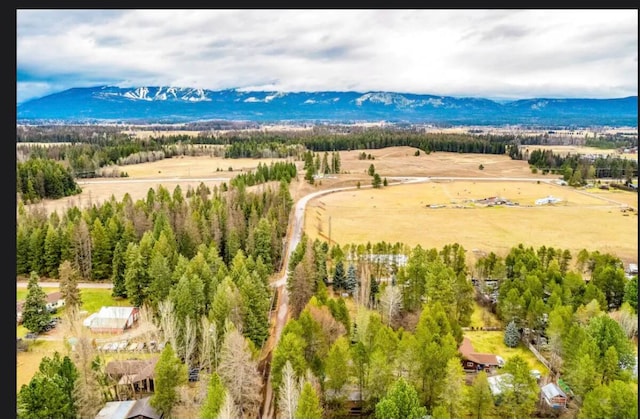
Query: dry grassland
point(185, 171)
point(588, 219)
point(401, 214)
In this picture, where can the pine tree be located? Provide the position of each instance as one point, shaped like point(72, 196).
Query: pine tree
point(351, 280)
point(511, 335)
point(308, 404)
point(339, 277)
point(35, 315)
point(376, 182)
point(216, 394)
point(169, 373)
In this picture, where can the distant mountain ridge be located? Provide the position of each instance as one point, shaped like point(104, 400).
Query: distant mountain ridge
point(179, 104)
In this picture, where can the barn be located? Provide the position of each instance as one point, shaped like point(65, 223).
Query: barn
point(112, 319)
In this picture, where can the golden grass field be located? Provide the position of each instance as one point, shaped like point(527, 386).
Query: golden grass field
point(185, 171)
point(400, 214)
point(589, 219)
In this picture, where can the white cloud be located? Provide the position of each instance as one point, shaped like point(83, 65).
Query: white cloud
point(493, 53)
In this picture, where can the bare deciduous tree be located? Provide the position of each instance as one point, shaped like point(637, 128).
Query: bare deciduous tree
point(82, 250)
point(289, 393)
point(229, 408)
point(168, 322)
point(190, 339)
point(390, 303)
point(239, 372)
point(207, 344)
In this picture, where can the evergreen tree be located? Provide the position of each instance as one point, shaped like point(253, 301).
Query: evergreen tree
point(511, 335)
point(51, 252)
point(351, 280)
point(479, 399)
point(377, 181)
point(339, 278)
point(50, 393)
point(308, 403)
point(35, 315)
point(169, 373)
point(216, 394)
point(119, 289)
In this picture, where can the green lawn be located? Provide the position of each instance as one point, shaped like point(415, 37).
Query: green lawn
point(21, 293)
point(482, 317)
point(493, 342)
point(93, 299)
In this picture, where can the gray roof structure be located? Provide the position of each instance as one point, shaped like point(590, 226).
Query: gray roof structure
point(551, 390)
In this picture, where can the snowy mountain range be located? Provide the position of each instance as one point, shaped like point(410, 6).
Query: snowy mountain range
point(179, 104)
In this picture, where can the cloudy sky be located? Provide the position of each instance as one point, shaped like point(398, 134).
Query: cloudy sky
point(499, 54)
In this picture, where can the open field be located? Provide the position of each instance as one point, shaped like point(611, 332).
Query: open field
point(582, 219)
point(400, 214)
point(185, 171)
point(27, 363)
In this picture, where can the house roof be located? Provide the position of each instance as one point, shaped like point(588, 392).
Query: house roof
point(467, 351)
point(128, 409)
point(144, 409)
point(551, 390)
point(51, 298)
point(116, 410)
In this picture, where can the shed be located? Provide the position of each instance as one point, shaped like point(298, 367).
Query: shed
point(553, 396)
point(133, 374)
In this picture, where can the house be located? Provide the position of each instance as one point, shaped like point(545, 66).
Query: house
point(473, 361)
point(129, 409)
point(54, 301)
point(553, 396)
point(352, 399)
point(132, 376)
point(112, 319)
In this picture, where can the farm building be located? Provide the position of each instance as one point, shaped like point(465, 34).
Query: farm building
point(132, 376)
point(553, 396)
point(129, 409)
point(112, 319)
point(54, 302)
point(473, 361)
point(548, 200)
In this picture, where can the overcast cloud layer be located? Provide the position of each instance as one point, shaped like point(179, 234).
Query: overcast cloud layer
point(480, 53)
